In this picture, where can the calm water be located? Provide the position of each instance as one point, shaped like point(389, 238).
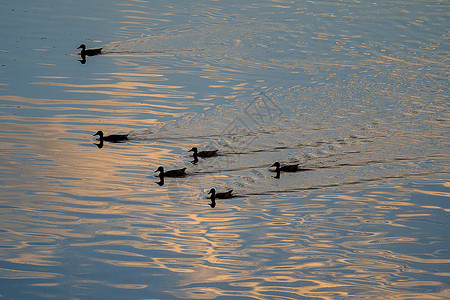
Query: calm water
point(354, 91)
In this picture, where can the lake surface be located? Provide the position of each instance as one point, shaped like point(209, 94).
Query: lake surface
point(356, 92)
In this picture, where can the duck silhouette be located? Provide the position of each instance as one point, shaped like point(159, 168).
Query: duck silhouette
point(113, 138)
point(286, 168)
point(223, 195)
point(89, 52)
point(202, 154)
point(171, 173)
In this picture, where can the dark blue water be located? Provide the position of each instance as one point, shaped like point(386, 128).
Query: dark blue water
point(355, 92)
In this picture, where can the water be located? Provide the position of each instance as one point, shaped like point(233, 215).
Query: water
point(354, 91)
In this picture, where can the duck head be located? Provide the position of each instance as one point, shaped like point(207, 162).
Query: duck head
point(194, 149)
point(277, 166)
point(212, 191)
point(160, 169)
point(82, 46)
point(99, 133)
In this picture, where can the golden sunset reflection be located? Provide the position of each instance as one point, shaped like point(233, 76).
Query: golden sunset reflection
point(17, 274)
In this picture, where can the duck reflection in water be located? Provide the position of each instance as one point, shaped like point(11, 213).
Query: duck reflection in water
point(83, 59)
point(223, 195)
point(99, 145)
point(161, 180)
point(286, 168)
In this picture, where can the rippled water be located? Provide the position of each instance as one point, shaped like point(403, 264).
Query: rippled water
point(355, 92)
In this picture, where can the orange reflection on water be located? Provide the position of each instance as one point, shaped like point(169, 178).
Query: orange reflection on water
point(118, 85)
point(122, 86)
point(18, 274)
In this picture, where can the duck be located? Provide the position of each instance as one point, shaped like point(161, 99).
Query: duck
point(114, 138)
point(89, 52)
point(223, 195)
point(171, 173)
point(286, 168)
point(203, 154)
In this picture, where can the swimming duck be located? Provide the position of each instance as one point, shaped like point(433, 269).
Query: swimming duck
point(114, 138)
point(215, 195)
point(203, 154)
point(89, 52)
point(224, 195)
point(286, 168)
point(171, 173)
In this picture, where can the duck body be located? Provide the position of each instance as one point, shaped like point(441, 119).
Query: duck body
point(171, 173)
point(203, 154)
point(89, 52)
point(114, 138)
point(288, 168)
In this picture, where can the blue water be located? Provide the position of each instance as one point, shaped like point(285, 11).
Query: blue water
point(355, 92)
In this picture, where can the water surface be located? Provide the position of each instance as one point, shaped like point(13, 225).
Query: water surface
point(356, 92)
